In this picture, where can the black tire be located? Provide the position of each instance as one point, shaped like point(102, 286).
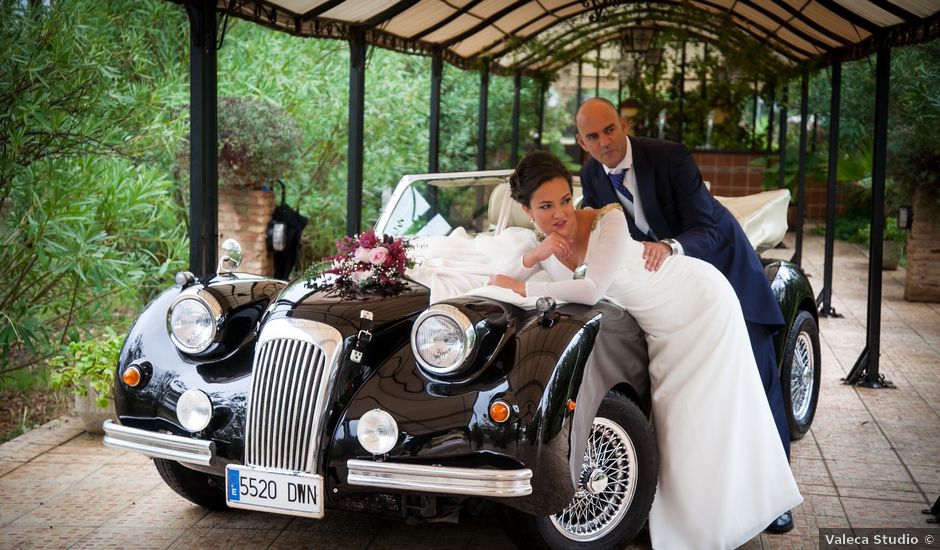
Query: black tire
point(203, 489)
point(800, 374)
point(637, 466)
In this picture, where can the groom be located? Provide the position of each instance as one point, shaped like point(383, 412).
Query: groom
point(670, 211)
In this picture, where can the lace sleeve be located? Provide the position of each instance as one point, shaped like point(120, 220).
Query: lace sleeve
point(603, 259)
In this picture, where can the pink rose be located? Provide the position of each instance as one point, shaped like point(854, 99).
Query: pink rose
point(360, 276)
point(362, 254)
point(379, 255)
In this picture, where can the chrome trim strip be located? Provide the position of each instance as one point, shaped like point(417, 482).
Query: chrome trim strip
point(159, 445)
point(440, 479)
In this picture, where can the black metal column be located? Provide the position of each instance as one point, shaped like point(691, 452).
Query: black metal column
point(597, 74)
point(865, 371)
point(516, 92)
point(543, 84)
point(580, 74)
point(770, 117)
point(619, 91)
point(681, 121)
point(801, 176)
point(481, 128)
point(203, 144)
point(434, 132)
point(824, 300)
point(754, 116)
point(782, 177)
point(357, 95)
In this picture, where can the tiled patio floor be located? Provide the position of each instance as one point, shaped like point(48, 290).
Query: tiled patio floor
point(872, 458)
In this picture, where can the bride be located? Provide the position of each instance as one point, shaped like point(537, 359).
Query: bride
point(723, 473)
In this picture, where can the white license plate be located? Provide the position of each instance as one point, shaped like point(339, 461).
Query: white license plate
point(279, 492)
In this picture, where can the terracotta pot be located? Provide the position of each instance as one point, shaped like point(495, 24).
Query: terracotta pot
point(891, 255)
point(244, 216)
point(91, 414)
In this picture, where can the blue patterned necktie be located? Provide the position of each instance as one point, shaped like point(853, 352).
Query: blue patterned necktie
point(617, 180)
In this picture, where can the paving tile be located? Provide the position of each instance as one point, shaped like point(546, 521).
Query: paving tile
point(883, 513)
point(158, 507)
point(45, 536)
point(322, 540)
point(7, 466)
point(225, 539)
point(864, 475)
point(130, 538)
point(339, 521)
point(243, 519)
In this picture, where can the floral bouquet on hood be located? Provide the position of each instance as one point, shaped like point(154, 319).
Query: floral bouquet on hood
point(368, 264)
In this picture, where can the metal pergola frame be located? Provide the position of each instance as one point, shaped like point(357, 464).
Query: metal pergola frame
point(796, 39)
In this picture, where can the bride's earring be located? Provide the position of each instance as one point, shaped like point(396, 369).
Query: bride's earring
point(539, 236)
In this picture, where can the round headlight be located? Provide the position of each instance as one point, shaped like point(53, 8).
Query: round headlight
point(194, 410)
point(442, 339)
point(193, 325)
point(377, 432)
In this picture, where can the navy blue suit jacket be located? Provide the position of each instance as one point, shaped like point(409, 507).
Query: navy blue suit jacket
point(678, 206)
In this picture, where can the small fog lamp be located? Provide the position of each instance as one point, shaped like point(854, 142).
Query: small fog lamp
point(377, 432)
point(499, 411)
point(131, 376)
point(194, 410)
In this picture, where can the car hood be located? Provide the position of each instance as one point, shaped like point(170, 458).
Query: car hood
point(303, 300)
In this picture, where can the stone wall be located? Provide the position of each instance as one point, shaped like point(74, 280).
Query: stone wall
point(923, 254)
point(244, 216)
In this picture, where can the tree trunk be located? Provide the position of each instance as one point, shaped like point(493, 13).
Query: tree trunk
point(244, 216)
point(923, 253)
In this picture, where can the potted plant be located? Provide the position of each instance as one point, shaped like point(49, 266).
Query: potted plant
point(87, 367)
point(259, 143)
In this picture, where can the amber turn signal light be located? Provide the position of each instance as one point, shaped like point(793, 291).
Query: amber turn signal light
point(571, 405)
point(499, 411)
point(131, 376)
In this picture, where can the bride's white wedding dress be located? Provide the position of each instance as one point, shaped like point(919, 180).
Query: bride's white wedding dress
point(723, 472)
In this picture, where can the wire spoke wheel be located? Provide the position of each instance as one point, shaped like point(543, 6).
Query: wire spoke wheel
point(802, 377)
point(607, 485)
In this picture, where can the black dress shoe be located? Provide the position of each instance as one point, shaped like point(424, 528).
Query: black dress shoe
point(782, 524)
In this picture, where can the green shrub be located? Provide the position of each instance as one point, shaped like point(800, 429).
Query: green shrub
point(88, 362)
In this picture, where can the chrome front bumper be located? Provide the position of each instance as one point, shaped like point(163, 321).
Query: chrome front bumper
point(440, 479)
point(159, 445)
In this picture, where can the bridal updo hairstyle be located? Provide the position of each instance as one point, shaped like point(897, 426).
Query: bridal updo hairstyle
point(533, 170)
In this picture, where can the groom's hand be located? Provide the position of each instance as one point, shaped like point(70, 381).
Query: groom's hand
point(655, 254)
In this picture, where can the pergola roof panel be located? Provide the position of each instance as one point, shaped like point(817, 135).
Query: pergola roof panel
point(419, 18)
point(469, 31)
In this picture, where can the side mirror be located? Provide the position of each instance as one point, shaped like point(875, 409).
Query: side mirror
point(231, 256)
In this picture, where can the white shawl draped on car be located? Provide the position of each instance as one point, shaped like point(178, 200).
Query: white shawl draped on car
point(461, 264)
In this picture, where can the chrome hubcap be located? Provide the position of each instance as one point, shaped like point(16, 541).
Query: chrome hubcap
point(802, 377)
point(598, 482)
point(608, 484)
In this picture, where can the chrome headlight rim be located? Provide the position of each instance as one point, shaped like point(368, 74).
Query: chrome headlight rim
point(466, 329)
point(215, 311)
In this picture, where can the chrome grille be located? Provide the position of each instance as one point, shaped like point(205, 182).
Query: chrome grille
point(281, 408)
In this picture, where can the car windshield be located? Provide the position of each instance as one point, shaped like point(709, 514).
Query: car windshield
point(437, 207)
point(439, 203)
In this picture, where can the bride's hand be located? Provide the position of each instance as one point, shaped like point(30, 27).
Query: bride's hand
point(553, 245)
point(508, 282)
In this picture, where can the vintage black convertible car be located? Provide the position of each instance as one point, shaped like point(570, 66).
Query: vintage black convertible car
point(291, 398)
